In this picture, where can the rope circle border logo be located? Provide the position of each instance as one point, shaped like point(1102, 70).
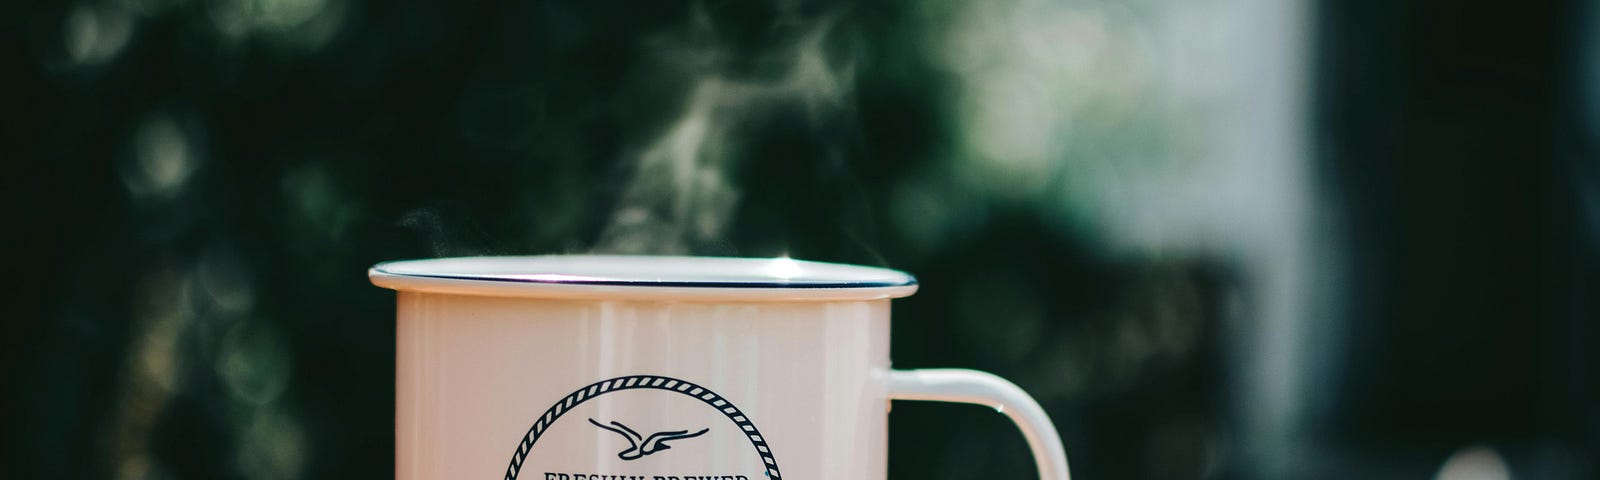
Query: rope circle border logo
point(633, 382)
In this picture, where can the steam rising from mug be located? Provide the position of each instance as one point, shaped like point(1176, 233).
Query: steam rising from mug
point(679, 195)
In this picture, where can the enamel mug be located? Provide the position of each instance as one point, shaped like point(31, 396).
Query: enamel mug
point(579, 367)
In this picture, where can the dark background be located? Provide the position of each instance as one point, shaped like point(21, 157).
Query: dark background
point(196, 189)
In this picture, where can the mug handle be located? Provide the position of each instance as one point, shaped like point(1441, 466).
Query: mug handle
point(958, 385)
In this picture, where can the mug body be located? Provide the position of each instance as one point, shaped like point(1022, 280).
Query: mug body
point(603, 387)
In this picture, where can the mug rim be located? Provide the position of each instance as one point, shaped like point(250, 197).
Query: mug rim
point(646, 277)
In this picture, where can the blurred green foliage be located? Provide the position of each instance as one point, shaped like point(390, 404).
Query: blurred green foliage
point(206, 183)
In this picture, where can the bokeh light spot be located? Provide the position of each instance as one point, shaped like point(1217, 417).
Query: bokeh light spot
point(95, 34)
point(254, 362)
point(272, 446)
point(299, 24)
point(163, 158)
point(1474, 463)
point(314, 196)
point(225, 281)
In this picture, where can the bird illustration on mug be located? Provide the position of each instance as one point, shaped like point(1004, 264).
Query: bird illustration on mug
point(639, 445)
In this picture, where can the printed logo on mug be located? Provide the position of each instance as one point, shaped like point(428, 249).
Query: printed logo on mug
point(585, 367)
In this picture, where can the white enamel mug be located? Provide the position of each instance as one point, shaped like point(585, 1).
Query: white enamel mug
point(660, 368)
